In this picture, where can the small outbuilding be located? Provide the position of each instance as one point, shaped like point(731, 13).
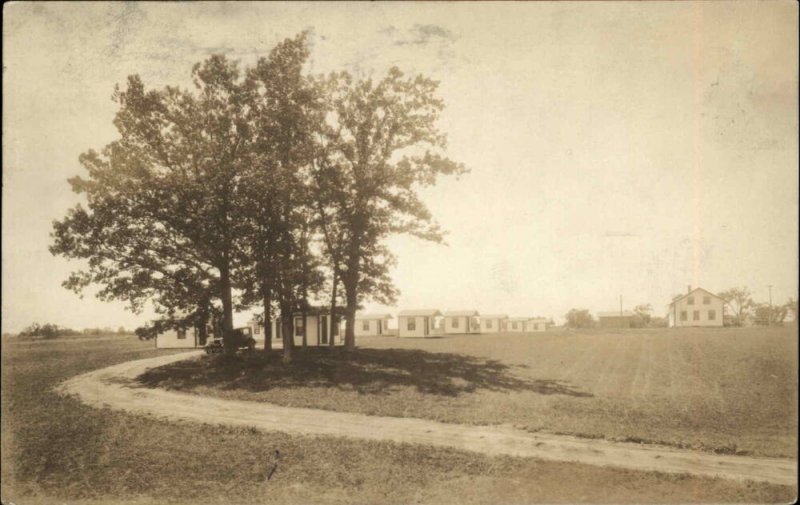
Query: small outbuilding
point(493, 323)
point(418, 323)
point(616, 319)
point(371, 325)
point(460, 322)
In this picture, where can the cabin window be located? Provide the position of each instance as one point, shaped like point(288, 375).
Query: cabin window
point(706, 300)
point(514, 325)
point(454, 322)
point(298, 326)
point(488, 323)
point(690, 301)
point(712, 315)
point(181, 334)
point(696, 315)
point(684, 316)
point(411, 325)
point(365, 326)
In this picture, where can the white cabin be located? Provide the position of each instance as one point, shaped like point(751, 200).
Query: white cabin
point(460, 322)
point(517, 324)
point(536, 324)
point(319, 328)
point(494, 323)
point(371, 325)
point(178, 339)
point(418, 323)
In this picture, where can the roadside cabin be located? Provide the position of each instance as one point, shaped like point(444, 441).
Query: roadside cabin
point(517, 324)
point(418, 323)
point(461, 322)
point(371, 325)
point(178, 339)
point(493, 323)
point(697, 307)
point(615, 319)
point(536, 324)
point(318, 332)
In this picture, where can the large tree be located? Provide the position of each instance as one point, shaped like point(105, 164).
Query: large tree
point(161, 201)
point(740, 303)
point(378, 144)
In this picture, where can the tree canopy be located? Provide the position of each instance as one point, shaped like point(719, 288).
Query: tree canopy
point(260, 186)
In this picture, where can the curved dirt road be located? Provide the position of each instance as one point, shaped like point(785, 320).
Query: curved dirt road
point(114, 387)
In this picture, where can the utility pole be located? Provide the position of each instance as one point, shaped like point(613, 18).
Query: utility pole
point(769, 319)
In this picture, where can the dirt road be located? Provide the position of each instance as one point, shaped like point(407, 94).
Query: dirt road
point(115, 387)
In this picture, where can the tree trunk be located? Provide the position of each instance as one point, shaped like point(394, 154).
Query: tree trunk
point(267, 319)
point(334, 320)
point(227, 308)
point(287, 331)
point(350, 315)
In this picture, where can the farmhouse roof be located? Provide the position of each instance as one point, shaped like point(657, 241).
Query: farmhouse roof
point(419, 312)
point(695, 290)
point(461, 313)
point(373, 316)
point(616, 313)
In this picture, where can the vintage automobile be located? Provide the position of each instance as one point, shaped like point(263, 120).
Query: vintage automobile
point(244, 342)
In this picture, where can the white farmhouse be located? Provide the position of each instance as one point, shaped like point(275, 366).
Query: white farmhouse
point(370, 325)
point(698, 307)
point(493, 323)
point(418, 323)
point(460, 322)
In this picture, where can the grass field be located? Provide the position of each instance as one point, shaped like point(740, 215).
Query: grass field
point(730, 391)
point(56, 450)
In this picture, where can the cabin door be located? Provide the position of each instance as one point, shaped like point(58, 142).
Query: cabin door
point(426, 329)
point(323, 321)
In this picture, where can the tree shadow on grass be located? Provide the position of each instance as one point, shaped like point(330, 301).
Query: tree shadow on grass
point(368, 371)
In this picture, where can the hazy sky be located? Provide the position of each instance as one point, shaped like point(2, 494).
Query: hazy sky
point(614, 148)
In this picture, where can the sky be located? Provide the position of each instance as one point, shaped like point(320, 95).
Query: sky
point(615, 149)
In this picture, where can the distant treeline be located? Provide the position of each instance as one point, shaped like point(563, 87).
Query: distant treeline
point(55, 331)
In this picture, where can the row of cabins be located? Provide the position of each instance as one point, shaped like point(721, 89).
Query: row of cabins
point(431, 322)
point(411, 323)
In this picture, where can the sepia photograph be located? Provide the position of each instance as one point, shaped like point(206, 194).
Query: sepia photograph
point(385, 253)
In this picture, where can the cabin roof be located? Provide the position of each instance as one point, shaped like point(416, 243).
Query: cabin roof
point(373, 316)
point(419, 312)
point(461, 313)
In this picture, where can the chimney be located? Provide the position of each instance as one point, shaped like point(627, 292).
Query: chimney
point(688, 289)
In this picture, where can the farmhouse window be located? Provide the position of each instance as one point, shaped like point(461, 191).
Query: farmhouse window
point(706, 300)
point(690, 301)
point(412, 324)
point(712, 315)
point(365, 326)
point(298, 326)
point(696, 315)
point(454, 323)
point(684, 316)
point(181, 334)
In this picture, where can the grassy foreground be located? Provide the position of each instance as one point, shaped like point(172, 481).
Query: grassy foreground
point(56, 450)
point(730, 391)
